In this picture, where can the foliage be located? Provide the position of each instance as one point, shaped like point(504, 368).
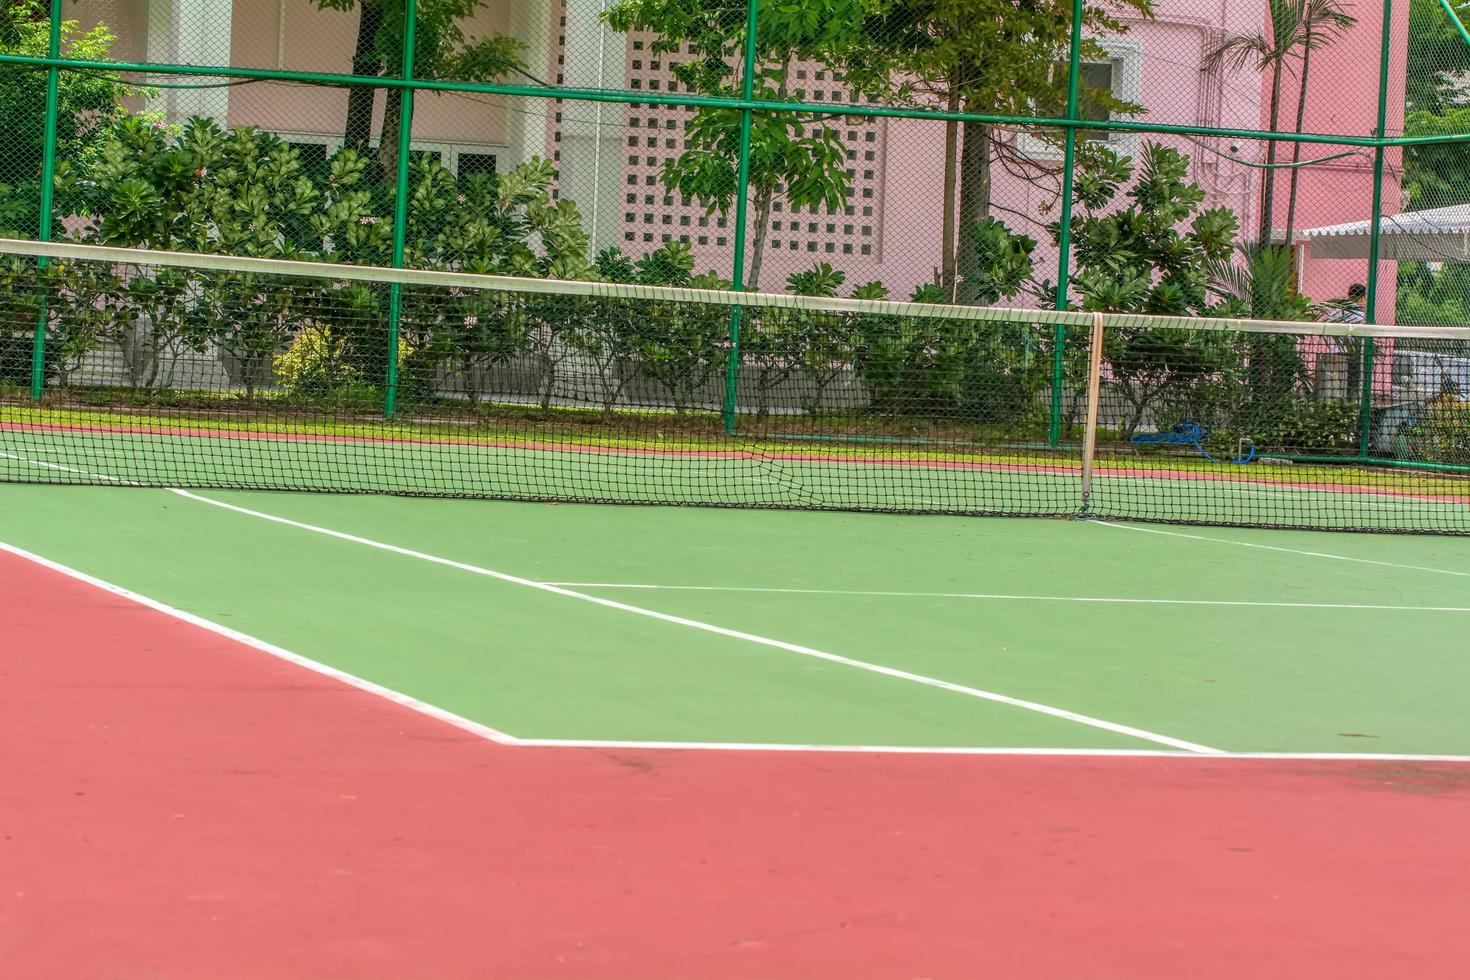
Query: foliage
point(995, 57)
point(804, 157)
point(1434, 173)
point(1294, 30)
point(441, 51)
point(1434, 296)
point(680, 345)
point(316, 364)
point(1437, 59)
point(1440, 433)
point(820, 344)
point(87, 104)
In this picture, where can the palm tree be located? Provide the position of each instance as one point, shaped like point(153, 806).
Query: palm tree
point(1324, 22)
point(1260, 283)
point(1295, 28)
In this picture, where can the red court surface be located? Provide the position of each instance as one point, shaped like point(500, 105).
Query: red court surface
point(174, 805)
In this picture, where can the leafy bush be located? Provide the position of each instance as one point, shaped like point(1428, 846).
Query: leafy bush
point(1441, 434)
point(88, 103)
point(316, 364)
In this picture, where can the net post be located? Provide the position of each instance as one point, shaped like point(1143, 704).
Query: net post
point(1370, 306)
point(742, 193)
point(1089, 436)
point(48, 190)
point(1064, 238)
point(400, 207)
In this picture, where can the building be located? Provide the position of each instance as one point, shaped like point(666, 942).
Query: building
point(609, 155)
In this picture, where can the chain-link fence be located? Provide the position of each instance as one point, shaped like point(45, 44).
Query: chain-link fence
point(1258, 158)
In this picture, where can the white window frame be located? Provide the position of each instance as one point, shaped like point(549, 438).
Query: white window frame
point(1126, 56)
point(332, 143)
point(448, 152)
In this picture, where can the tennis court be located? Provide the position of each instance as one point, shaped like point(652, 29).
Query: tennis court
point(530, 739)
point(309, 679)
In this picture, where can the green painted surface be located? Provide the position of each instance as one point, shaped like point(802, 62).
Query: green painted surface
point(531, 663)
point(1240, 678)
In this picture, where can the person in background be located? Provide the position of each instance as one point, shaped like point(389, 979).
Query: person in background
point(1352, 309)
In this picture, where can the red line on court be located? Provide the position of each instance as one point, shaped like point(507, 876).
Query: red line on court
point(1052, 469)
point(177, 805)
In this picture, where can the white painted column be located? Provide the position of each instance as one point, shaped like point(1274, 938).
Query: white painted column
point(190, 32)
point(529, 123)
point(592, 136)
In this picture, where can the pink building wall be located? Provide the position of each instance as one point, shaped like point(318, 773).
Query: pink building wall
point(890, 228)
point(1174, 88)
point(1343, 98)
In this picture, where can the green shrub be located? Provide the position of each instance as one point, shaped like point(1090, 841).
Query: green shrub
point(1441, 434)
point(315, 365)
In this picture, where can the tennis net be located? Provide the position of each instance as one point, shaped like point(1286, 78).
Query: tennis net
point(220, 371)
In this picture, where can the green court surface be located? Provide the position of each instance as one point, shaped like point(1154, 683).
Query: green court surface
point(696, 625)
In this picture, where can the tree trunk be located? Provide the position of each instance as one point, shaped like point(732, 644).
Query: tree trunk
point(393, 122)
point(1296, 148)
point(365, 62)
point(764, 197)
point(1268, 198)
point(951, 184)
point(763, 200)
point(974, 207)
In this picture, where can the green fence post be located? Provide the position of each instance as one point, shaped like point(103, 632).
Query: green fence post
point(1455, 19)
point(1370, 309)
point(48, 190)
point(1064, 239)
point(742, 193)
point(400, 206)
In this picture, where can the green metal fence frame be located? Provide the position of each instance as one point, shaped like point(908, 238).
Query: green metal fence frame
point(48, 190)
point(54, 63)
point(400, 208)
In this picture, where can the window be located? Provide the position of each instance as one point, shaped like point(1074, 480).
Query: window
point(1121, 75)
point(1096, 77)
point(312, 154)
point(475, 163)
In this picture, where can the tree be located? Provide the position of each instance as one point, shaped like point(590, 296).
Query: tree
point(1434, 173)
point(1438, 58)
point(1323, 21)
point(441, 51)
point(802, 154)
point(1154, 255)
point(992, 57)
point(1295, 28)
point(88, 103)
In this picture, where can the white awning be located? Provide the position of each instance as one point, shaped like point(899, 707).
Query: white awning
point(1437, 235)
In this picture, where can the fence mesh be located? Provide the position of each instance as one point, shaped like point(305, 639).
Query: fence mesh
point(899, 151)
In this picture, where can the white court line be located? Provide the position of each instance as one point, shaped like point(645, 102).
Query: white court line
point(1014, 598)
point(68, 469)
point(1272, 547)
point(922, 679)
point(503, 738)
point(593, 743)
point(245, 639)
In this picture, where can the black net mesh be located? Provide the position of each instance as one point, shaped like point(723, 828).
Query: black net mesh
point(213, 371)
point(267, 376)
